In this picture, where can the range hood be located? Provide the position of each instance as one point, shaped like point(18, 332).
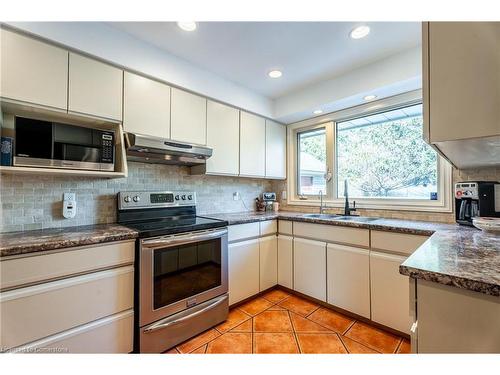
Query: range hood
point(148, 149)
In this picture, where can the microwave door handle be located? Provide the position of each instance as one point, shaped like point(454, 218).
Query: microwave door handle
point(182, 239)
point(164, 323)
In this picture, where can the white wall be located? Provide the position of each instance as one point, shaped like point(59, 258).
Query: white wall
point(113, 45)
point(393, 75)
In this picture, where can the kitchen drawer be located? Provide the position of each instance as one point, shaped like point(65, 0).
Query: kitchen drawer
point(285, 227)
point(31, 313)
point(332, 233)
point(268, 227)
point(17, 272)
point(400, 243)
point(112, 334)
point(242, 231)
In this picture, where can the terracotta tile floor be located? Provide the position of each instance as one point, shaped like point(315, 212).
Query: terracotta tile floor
point(278, 322)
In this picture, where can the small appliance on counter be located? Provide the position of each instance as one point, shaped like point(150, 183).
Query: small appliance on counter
point(487, 224)
point(40, 143)
point(268, 199)
point(476, 199)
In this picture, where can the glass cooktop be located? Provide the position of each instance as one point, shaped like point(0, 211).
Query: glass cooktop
point(173, 225)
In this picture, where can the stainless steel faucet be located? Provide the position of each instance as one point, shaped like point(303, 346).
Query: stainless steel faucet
point(347, 209)
point(321, 201)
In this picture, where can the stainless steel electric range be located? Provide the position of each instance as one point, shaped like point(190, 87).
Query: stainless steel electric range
point(181, 267)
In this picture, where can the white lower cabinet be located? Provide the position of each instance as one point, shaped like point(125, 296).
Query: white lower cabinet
point(348, 270)
point(38, 311)
point(389, 292)
point(112, 334)
point(285, 261)
point(268, 262)
point(309, 272)
point(243, 270)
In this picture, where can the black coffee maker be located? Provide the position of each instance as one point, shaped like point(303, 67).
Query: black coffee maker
point(476, 198)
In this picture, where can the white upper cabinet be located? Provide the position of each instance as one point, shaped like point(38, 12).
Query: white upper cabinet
point(188, 118)
point(461, 79)
point(95, 88)
point(252, 145)
point(146, 106)
point(223, 132)
point(32, 71)
point(275, 150)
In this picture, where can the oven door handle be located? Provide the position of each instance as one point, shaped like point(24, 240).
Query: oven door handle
point(164, 323)
point(182, 239)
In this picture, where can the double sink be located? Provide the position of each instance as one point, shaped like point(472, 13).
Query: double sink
point(362, 219)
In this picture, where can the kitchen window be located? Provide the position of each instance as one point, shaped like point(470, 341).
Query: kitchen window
point(311, 162)
point(381, 153)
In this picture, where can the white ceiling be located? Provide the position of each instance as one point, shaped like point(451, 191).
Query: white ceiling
point(306, 52)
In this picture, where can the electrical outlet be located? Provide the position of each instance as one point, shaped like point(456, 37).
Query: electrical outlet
point(236, 196)
point(69, 205)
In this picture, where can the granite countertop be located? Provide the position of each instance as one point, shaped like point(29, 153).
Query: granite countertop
point(459, 256)
point(16, 243)
point(424, 228)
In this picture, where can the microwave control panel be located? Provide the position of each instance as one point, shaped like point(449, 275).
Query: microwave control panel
point(466, 190)
point(107, 147)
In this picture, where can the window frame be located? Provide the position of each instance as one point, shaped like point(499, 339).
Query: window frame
point(329, 121)
point(329, 161)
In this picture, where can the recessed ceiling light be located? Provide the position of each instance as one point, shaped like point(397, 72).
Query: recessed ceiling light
point(275, 73)
point(187, 26)
point(370, 97)
point(318, 111)
point(360, 32)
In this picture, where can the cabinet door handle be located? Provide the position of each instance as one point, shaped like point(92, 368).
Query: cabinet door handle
point(413, 328)
point(167, 322)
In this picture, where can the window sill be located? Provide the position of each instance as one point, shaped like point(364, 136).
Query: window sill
point(399, 205)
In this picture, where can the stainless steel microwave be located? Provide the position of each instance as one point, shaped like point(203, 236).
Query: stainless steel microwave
point(41, 143)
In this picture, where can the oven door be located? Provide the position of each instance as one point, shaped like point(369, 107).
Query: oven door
point(181, 271)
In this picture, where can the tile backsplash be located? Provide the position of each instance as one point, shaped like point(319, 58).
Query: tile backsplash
point(35, 202)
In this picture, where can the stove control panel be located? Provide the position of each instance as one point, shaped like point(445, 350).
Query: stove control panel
point(151, 199)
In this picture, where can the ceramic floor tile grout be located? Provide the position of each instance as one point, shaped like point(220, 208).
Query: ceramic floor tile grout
point(343, 343)
point(364, 344)
point(312, 312)
point(345, 347)
point(350, 326)
point(322, 325)
point(293, 330)
point(294, 333)
point(397, 346)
